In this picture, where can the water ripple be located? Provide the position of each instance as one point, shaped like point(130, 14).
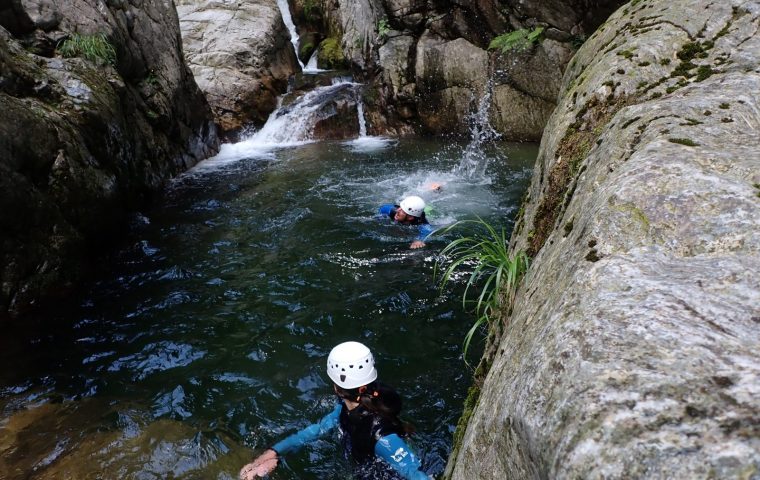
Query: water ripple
point(157, 357)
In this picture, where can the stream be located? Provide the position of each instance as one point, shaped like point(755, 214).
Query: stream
point(203, 338)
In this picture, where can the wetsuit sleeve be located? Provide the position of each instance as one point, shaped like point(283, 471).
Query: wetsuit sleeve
point(308, 434)
point(385, 210)
point(425, 230)
point(396, 452)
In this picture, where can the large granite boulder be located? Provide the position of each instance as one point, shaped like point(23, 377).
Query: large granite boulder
point(85, 139)
point(631, 351)
point(241, 56)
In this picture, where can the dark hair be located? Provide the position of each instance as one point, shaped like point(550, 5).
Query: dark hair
point(378, 398)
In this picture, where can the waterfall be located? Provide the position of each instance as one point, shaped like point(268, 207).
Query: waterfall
point(474, 160)
point(288, 19)
point(362, 121)
point(311, 65)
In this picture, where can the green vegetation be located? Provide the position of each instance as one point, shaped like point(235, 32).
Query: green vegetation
point(310, 9)
point(488, 250)
point(382, 29)
point(331, 54)
point(684, 141)
point(95, 48)
point(724, 106)
point(519, 40)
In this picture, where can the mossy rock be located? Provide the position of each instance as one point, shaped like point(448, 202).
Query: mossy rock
point(331, 54)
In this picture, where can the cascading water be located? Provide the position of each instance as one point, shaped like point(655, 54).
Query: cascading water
point(288, 19)
point(362, 121)
point(292, 124)
point(311, 65)
point(474, 160)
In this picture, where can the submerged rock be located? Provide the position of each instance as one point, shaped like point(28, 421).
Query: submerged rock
point(632, 351)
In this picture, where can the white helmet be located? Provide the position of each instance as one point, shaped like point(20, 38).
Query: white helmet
point(413, 206)
point(351, 365)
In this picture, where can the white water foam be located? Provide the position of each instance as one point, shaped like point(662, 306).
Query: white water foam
point(288, 126)
point(311, 66)
point(366, 144)
point(474, 160)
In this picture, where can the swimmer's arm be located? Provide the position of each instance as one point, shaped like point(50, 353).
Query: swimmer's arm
point(308, 434)
point(396, 452)
point(385, 210)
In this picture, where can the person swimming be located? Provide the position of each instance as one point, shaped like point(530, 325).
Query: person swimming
point(410, 211)
point(366, 416)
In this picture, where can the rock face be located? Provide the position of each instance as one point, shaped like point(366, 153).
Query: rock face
point(84, 140)
point(427, 64)
point(632, 348)
point(241, 56)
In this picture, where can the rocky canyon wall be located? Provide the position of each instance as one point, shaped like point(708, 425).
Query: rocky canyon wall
point(631, 351)
point(99, 110)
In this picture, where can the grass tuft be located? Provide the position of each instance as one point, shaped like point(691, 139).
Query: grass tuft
point(95, 48)
point(494, 268)
point(518, 40)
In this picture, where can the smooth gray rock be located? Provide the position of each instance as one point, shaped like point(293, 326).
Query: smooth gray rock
point(241, 56)
point(632, 350)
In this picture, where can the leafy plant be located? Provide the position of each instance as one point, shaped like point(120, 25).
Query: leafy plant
point(499, 271)
point(310, 10)
point(383, 29)
point(95, 48)
point(518, 40)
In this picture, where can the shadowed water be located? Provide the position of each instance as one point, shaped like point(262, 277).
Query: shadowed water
point(203, 339)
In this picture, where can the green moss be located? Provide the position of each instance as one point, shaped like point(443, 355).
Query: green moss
point(707, 113)
point(724, 106)
point(665, 61)
point(672, 89)
point(691, 122)
point(704, 72)
point(473, 395)
point(684, 141)
point(644, 64)
point(580, 137)
point(627, 54)
point(690, 51)
point(683, 70)
point(655, 95)
point(569, 227)
point(331, 54)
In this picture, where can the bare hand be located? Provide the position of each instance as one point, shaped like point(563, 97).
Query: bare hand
point(262, 466)
point(417, 244)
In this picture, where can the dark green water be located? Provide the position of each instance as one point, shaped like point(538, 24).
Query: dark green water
point(204, 339)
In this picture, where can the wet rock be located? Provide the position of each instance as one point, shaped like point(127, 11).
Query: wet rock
point(241, 56)
point(84, 140)
point(632, 348)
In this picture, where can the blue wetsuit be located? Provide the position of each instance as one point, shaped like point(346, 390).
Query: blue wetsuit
point(369, 431)
point(425, 229)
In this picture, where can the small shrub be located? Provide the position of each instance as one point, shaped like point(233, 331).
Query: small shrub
point(95, 48)
point(383, 29)
point(518, 40)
